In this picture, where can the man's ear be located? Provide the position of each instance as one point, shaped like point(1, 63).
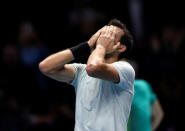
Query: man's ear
point(122, 48)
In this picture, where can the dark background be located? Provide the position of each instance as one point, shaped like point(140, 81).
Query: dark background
point(30, 101)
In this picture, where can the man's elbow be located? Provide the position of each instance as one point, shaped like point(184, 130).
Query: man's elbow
point(43, 68)
point(92, 70)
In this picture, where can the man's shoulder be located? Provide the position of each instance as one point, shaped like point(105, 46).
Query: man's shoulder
point(124, 64)
point(125, 69)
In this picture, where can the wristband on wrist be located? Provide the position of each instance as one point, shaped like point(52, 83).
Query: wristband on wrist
point(81, 50)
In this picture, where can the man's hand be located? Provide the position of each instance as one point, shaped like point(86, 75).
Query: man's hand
point(107, 39)
point(96, 65)
point(94, 38)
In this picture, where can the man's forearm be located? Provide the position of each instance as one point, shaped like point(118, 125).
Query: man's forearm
point(97, 56)
point(56, 61)
point(97, 67)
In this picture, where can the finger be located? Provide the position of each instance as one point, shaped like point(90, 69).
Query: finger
point(103, 30)
point(107, 29)
point(113, 32)
point(110, 30)
point(100, 30)
point(98, 33)
point(116, 46)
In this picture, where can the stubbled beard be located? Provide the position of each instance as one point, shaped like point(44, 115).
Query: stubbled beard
point(107, 56)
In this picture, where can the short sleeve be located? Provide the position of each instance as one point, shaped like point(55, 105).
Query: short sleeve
point(78, 69)
point(126, 74)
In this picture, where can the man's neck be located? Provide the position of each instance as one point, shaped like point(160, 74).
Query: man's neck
point(112, 59)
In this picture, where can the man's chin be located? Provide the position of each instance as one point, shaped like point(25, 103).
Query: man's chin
point(109, 55)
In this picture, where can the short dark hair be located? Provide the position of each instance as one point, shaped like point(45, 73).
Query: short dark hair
point(127, 38)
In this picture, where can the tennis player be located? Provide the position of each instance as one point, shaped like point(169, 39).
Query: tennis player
point(105, 85)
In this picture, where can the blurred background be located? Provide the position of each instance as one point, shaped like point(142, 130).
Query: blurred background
point(31, 31)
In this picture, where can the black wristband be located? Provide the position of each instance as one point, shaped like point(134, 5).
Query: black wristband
point(81, 50)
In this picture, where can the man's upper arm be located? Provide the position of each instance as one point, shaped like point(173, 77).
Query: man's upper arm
point(66, 74)
point(103, 71)
point(118, 72)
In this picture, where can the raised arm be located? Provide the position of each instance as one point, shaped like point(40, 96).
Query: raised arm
point(55, 65)
point(96, 65)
